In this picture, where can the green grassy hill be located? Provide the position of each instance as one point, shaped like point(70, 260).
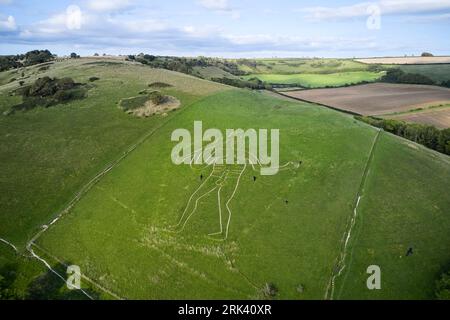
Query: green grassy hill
point(319, 80)
point(287, 229)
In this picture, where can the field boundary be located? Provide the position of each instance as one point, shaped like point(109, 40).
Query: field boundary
point(329, 294)
point(319, 104)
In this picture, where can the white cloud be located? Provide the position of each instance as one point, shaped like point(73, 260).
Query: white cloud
point(219, 5)
point(5, 1)
point(74, 17)
point(9, 24)
point(386, 7)
point(108, 5)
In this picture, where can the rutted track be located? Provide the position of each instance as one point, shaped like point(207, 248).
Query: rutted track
point(329, 294)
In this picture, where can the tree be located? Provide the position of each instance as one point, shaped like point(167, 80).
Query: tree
point(427, 54)
point(73, 55)
point(96, 55)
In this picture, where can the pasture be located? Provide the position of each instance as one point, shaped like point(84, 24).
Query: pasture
point(319, 80)
point(403, 207)
point(376, 98)
point(46, 155)
point(124, 227)
point(145, 228)
point(296, 66)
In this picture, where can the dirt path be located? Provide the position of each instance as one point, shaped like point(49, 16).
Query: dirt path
point(341, 265)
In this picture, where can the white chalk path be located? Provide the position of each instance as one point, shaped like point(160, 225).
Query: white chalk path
point(341, 264)
point(9, 244)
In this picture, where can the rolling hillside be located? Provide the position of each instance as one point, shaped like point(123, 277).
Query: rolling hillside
point(135, 224)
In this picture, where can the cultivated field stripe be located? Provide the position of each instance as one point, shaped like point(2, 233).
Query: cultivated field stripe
point(347, 235)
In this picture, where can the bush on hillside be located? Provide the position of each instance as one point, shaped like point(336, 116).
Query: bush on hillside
point(47, 92)
point(443, 287)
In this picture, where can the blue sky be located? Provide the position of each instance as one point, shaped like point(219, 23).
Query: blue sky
point(227, 28)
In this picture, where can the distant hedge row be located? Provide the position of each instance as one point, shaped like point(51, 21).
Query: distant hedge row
point(428, 136)
point(399, 76)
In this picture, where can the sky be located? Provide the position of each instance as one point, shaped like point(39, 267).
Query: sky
point(227, 28)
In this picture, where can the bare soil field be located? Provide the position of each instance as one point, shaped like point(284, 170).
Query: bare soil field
point(405, 60)
point(376, 98)
point(439, 118)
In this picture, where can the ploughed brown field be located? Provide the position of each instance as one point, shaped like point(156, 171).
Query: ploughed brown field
point(405, 60)
point(438, 118)
point(376, 98)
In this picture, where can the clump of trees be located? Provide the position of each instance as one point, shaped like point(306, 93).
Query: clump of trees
point(47, 92)
point(443, 287)
point(427, 54)
point(428, 136)
point(446, 84)
point(187, 65)
point(399, 76)
point(24, 60)
point(253, 83)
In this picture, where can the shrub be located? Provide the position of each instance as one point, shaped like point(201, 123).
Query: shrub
point(93, 79)
point(443, 287)
point(46, 92)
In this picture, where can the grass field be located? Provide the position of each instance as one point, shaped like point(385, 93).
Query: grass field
point(130, 211)
point(320, 80)
point(47, 154)
point(295, 66)
point(402, 207)
point(287, 229)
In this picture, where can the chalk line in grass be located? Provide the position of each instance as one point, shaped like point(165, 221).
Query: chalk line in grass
point(9, 244)
point(341, 264)
point(34, 255)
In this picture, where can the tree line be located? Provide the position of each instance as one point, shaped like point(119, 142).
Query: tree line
point(399, 76)
point(24, 60)
point(426, 135)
